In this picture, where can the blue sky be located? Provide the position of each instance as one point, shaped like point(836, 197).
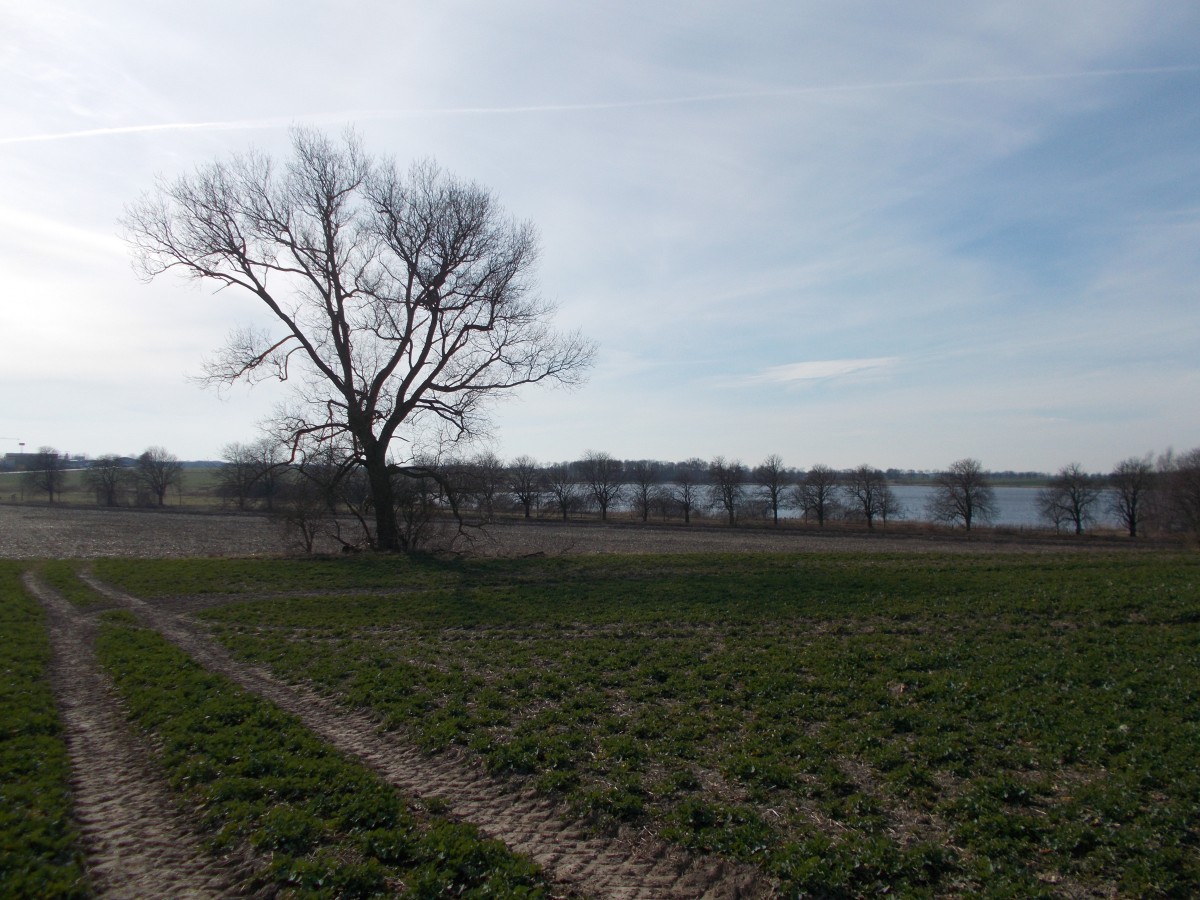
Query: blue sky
point(840, 232)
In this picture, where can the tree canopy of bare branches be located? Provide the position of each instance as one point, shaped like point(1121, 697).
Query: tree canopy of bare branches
point(158, 471)
point(107, 475)
point(1131, 482)
point(963, 493)
point(1069, 498)
point(525, 482)
point(817, 493)
point(47, 473)
point(401, 302)
point(772, 480)
point(869, 496)
point(604, 479)
point(727, 486)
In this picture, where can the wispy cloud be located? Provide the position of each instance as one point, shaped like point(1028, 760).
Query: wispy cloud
point(819, 370)
point(23, 227)
point(601, 106)
point(237, 125)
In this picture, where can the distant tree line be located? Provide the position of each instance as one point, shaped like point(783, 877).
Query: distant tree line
point(319, 490)
point(143, 480)
point(315, 490)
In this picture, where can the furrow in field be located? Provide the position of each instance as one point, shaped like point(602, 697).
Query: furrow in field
point(137, 843)
point(625, 866)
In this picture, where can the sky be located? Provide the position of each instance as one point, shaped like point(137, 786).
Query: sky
point(843, 233)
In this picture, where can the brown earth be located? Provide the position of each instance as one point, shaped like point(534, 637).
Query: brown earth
point(33, 532)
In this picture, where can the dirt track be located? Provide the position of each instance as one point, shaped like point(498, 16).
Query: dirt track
point(137, 842)
point(138, 845)
point(529, 824)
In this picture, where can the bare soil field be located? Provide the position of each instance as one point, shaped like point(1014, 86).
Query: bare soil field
point(65, 532)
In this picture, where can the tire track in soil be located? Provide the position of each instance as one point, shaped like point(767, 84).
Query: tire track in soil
point(629, 866)
point(136, 842)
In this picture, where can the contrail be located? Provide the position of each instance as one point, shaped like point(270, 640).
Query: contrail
point(784, 92)
point(603, 106)
point(147, 129)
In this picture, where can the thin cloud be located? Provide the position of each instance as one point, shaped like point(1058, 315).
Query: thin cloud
point(247, 124)
point(820, 370)
point(283, 122)
point(30, 227)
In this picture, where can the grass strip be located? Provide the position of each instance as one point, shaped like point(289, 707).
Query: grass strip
point(39, 856)
point(332, 828)
point(62, 575)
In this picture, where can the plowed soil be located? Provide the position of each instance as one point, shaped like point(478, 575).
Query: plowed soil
point(33, 532)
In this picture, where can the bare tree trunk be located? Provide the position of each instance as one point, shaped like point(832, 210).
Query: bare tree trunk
point(387, 533)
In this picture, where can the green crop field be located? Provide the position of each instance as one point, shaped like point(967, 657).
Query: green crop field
point(1006, 726)
point(331, 827)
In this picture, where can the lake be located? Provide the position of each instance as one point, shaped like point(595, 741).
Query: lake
point(1015, 506)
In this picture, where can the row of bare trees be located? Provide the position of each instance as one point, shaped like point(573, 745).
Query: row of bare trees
point(149, 476)
point(314, 488)
point(1141, 493)
point(113, 479)
point(725, 487)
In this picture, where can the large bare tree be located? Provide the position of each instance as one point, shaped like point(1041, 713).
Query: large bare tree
point(238, 473)
point(401, 301)
point(963, 493)
point(644, 477)
point(271, 464)
point(563, 488)
point(485, 479)
point(1181, 482)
